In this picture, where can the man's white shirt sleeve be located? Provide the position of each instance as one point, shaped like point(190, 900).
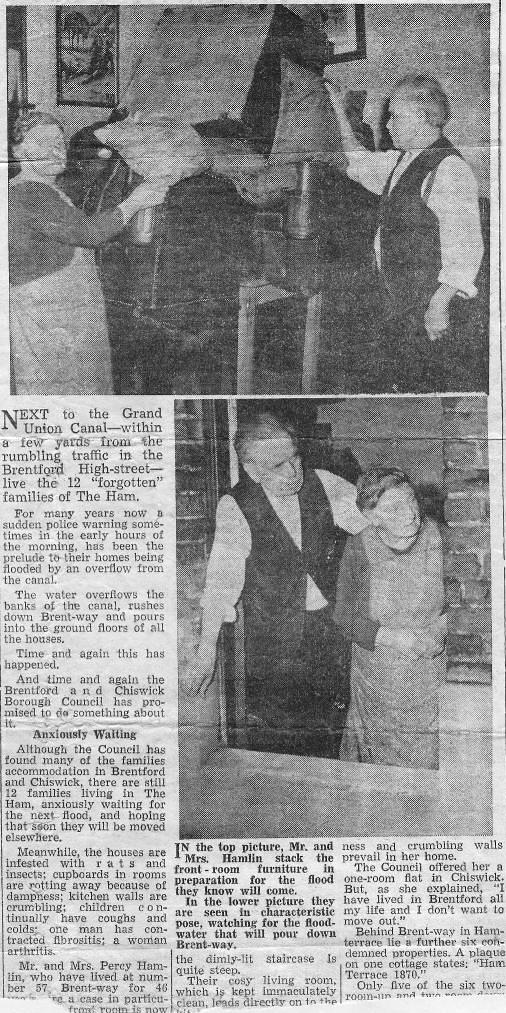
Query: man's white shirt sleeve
point(454, 201)
point(342, 496)
point(227, 561)
point(232, 545)
point(371, 168)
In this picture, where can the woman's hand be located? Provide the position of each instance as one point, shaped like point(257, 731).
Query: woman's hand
point(415, 644)
point(438, 631)
point(148, 195)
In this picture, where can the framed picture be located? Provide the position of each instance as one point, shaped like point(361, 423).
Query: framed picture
point(87, 55)
point(17, 90)
point(344, 26)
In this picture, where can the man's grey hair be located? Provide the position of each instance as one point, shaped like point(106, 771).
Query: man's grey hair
point(262, 426)
point(429, 95)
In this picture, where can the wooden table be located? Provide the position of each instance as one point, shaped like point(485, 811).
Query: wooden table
point(257, 292)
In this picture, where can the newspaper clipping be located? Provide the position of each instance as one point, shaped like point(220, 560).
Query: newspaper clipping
point(251, 428)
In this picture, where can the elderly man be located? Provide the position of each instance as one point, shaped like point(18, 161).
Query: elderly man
point(276, 548)
point(428, 245)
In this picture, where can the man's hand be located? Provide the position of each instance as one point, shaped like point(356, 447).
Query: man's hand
point(437, 315)
point(374, 108)
point(337, 98)
point(200, 673)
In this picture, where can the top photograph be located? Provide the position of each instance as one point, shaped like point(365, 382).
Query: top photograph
point(249, 199)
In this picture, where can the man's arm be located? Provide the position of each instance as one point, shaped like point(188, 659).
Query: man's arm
point(342, 496)
point(223, 588)
point(369, 168)
point(454, 200)
point(350, 142)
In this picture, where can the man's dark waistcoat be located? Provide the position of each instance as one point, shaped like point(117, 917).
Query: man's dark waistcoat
point(410, 241)
point(274, 595)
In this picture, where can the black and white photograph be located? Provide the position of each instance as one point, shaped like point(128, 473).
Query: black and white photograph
point(281, 199)
point(333, 560)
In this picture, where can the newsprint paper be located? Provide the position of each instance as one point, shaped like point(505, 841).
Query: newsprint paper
point(252, 508)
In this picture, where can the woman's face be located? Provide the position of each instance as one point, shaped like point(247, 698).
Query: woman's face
point(44, 149)
point(396, 516)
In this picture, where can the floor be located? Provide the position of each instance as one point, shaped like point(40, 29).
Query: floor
point(187, 357)
point(239, 793)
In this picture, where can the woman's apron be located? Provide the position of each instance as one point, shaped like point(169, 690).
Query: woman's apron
point(58, 326)
point(394, 714)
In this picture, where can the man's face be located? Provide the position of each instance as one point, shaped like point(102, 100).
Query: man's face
point(406, 122)
point(275, 463)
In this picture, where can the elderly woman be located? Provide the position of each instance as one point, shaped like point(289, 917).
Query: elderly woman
point(390, 603)
point(59, 341)
point(428, 245)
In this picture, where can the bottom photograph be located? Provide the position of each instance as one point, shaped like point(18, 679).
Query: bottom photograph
point(334, 625)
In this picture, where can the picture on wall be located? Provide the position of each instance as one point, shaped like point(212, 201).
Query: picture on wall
point(344, 26)
point(87, 51)
point(16, 58)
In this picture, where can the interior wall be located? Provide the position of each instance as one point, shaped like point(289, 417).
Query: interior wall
point(199, 717)
point(402, 432)
point(450, 42)
point(136, 27)
point(201, 61)
point(440, 443)
point(220, 86)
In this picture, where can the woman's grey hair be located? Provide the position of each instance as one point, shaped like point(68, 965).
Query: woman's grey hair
point(376, 481)
point(262, 426)
point(28, 121)
point(429, 95)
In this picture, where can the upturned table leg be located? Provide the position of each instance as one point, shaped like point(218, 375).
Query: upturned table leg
point(311, 344)
point(246, 338)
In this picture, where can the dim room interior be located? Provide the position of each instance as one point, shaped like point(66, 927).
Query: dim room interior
point(227, 788)
point(240, 286)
